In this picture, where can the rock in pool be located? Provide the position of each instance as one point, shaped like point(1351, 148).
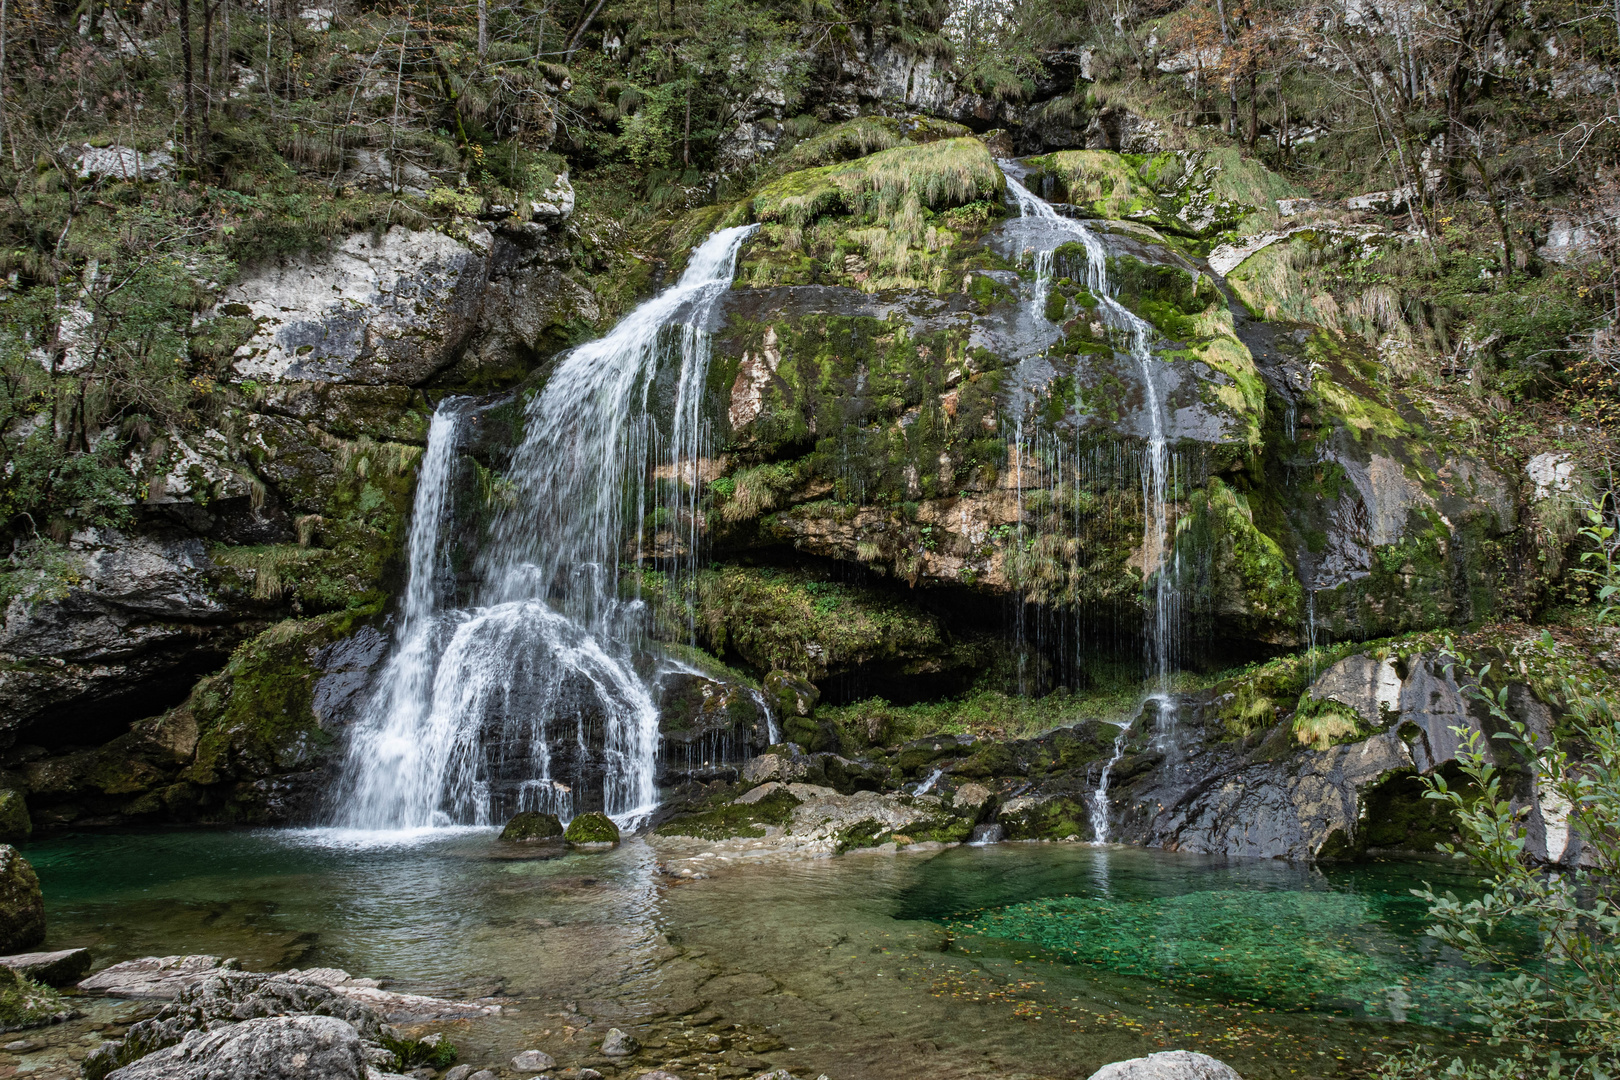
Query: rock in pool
point(529, 826)
point(534, 1060)
point(22, 908)
point(1170, 1065)
point(618, 1044)
point(592, 828)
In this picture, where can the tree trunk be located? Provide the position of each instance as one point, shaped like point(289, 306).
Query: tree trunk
point(579, 31)
point(4, 131)
point(189, 94)
point(292, 55)
point(1254, 103)
point(483, 28)
point(208, 56)
point(1231, 83)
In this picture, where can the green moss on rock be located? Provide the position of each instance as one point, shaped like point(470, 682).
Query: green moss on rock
point(27, 1004)
point(766, 617)
point(593, 827)
point(734, 819)
point(531, 826)
point(1250, 583)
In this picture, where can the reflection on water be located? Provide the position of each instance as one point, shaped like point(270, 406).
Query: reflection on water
point(1034, 960)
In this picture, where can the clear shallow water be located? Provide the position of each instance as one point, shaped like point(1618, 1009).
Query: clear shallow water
point(1015, 960)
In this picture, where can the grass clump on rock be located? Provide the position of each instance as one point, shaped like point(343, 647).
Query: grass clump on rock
point(530, 826)
point(27, 1004)
point(594, 827)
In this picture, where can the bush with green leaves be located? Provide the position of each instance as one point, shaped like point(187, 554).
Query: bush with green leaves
point(1552, 1010)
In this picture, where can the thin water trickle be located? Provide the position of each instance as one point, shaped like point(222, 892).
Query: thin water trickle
point(1099, 798)
point(488, 709)
point(928, 785)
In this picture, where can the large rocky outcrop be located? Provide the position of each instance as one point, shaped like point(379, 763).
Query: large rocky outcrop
point(912, 466)
point(1286, 761)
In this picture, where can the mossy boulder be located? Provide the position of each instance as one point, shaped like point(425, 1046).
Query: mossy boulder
point(1191, 193)
point(792, 696)
point(15, 824)
point(22, 906)
point(591, 829)
point(530, 826)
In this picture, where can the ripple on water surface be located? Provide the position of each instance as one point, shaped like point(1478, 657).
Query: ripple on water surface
point(1039, 960)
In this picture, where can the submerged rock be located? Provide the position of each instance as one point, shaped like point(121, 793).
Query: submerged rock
point(22, 907)
point(1170, 1065)
point(530, 826)
point(592, 828)
point(618, 1044)
point(267, 1048)
point(534, 1061)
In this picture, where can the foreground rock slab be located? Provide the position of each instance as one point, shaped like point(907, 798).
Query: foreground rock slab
point(62, 968)
point(1170, 1065)
point(269, 1048)
point(159, 978)
point(164, 978)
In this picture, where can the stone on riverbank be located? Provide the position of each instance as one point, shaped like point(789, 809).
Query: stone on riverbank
point(224, 998)
point(592, 828)
point(265, 1048)
point(62, 968)
point(530, 826)
point(1171, 1065)
point(22, 907)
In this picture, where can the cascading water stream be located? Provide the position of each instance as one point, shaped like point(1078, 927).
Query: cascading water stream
point(1156, 478)
point(476, 706)
point(1157, 467)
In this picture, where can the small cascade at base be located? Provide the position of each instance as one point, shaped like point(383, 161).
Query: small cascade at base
point(1099, 799)
point(532, 697)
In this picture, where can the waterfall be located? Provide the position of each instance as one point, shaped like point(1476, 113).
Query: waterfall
point(1099, 798)
point(1158, 573)
point(501, 706)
